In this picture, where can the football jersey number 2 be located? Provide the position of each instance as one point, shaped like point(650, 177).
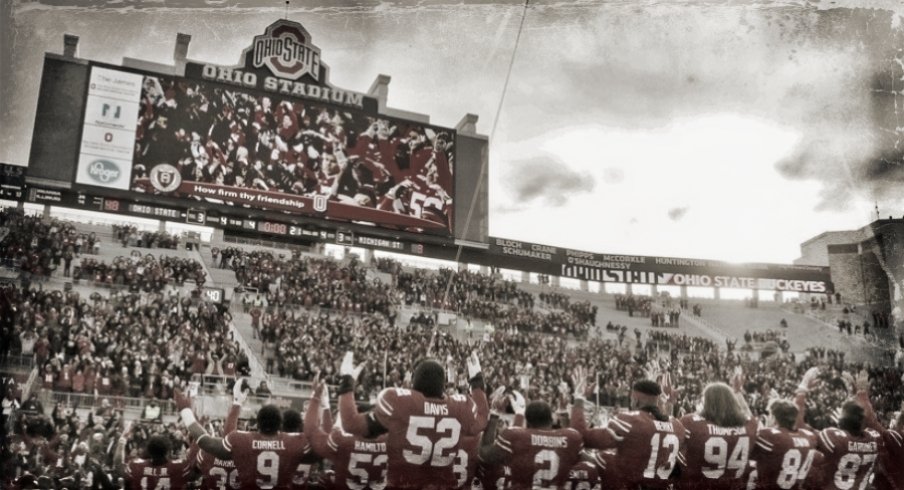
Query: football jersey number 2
point(428, 451)
point(543, 478)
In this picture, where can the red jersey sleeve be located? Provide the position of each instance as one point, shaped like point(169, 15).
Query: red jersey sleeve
point(829, 440)
point(599, 438)
point(387, 404)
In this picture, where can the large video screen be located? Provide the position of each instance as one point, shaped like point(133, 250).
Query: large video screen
point(171, 136)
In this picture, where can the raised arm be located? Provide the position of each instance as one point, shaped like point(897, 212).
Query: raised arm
point(213, 445)
point(119, 454)
point(808, 382)
point(239, 394)
point(737, 386)
point(861, 385)
point(353, 422)
point(490, 451)
point(478, 394)
point(313, 428)
point(599, 438)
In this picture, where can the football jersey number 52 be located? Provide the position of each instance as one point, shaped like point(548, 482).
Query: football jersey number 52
point(439, 454)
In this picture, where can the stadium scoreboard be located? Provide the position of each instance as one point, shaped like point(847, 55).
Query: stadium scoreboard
point(269, 138)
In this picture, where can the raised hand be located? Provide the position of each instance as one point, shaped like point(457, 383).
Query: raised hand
point(238, 394)
point(498, 399)
point(348, 368)
point(810, 379)
point(183, 400)
point(473, 365)
point(738, 379)
point(579, 378)
point(518, 403)
point(861, 382)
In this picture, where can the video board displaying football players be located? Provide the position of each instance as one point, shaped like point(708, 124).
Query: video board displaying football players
point(202, 141)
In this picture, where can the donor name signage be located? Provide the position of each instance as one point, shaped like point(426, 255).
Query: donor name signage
point(673, 271)
point(282, 60)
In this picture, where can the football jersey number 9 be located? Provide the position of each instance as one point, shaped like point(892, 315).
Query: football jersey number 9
point(267, 466)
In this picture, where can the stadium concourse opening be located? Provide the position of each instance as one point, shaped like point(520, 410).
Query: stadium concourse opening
point(201, 274)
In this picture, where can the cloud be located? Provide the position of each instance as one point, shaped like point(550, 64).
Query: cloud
point(547, 179)
point(676, 214)
point(613, 175)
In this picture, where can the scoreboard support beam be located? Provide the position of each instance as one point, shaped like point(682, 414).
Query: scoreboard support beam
point(70, 46)
point(525, 277)
point(654, 290)
point(585, 286)
point(716, 294)
point(683, 292)
point(368, 256)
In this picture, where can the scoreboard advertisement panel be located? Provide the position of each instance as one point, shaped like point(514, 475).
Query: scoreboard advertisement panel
point(672, 271)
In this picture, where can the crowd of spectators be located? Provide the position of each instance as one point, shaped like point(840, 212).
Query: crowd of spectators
point(73, 447)
point(37, 246)
point(141, 273)
point(124, 344)
point(131, 236)
point(487, 297)
point(308, 281)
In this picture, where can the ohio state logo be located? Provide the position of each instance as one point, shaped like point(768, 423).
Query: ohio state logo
point(320, 203)
point(285, 50)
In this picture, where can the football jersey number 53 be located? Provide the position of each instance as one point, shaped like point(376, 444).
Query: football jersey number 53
point(440, 454)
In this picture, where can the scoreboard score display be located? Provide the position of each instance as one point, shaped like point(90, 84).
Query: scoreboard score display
point(213, 295)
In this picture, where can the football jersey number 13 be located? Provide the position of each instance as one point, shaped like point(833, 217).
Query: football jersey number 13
point(427, 450)
point(663, 472)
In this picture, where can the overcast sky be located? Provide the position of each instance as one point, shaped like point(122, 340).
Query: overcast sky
point(724, 130)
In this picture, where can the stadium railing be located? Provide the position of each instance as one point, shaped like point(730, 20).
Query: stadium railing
point(83, 400)
point(254, 362)
point(18, 361)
